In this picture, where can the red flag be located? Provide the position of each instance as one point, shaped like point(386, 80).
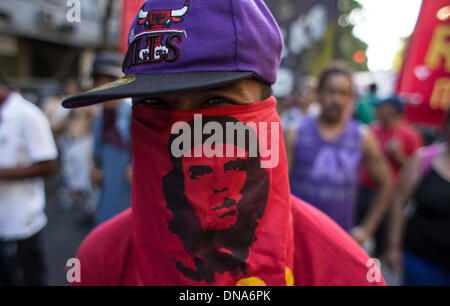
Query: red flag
point(129, 11)
point(425, 77)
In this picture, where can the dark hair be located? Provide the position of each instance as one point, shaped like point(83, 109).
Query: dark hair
point(267, 92)
point(327, 72)
point(395, 102)
point(373, 88)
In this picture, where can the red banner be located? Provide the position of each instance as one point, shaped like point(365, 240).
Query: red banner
point(424, 81)
point(129, 11)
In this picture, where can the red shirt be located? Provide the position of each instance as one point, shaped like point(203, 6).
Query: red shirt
point(324, 254)
point(407, 138)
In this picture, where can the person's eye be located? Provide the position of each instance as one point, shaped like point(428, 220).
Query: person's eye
point(216, 101)
point(148, 102)
point(234, 165)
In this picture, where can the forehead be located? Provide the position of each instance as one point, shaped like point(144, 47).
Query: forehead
point(247, 88)
point(239, 87)
point(337, 79)
point(386, 107)
point(223, 154)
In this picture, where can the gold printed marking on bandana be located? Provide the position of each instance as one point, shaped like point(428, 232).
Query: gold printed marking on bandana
point(289, 277)
point(120, 82)
point(251, 281)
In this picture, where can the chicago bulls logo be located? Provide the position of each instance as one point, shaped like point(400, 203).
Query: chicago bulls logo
point(158, 43)
point(161, 19)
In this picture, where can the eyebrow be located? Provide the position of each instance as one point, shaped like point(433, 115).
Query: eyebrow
point(237, 164)
point(199, 171)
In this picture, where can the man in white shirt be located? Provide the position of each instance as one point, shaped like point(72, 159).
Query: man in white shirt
point(27, 154)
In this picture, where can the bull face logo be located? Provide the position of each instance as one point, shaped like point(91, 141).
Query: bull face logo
point(161, 19)
point(158, 43)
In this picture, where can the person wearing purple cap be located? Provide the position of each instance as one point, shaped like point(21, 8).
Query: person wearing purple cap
point(210, 190)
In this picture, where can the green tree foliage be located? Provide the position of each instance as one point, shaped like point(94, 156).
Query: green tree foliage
point(346, 44)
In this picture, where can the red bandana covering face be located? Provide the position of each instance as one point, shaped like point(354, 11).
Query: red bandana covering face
point(205, 218)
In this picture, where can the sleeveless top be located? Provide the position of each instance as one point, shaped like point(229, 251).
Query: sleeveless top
point(428, 230)
point(326, 173)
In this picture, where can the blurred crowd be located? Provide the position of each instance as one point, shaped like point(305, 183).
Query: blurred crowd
point(87, 149)
point(384, 180)
point(352, 156)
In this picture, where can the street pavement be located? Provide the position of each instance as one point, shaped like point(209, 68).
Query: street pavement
point(62, 235)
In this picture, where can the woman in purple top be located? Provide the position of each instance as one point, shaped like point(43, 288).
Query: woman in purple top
point(325, 154)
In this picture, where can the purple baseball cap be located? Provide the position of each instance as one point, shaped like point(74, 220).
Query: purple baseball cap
point(177, 45)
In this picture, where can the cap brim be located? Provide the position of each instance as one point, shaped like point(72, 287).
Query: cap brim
point(151, 84)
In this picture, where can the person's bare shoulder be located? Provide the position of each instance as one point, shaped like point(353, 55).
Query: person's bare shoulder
point(368, 140)
point(103, 253)
point(325, 254)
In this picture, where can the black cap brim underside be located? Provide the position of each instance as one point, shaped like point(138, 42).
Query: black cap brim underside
point(142, 85)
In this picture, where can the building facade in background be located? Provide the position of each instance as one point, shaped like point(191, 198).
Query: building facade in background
point(316, 32)
point(40, 44)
